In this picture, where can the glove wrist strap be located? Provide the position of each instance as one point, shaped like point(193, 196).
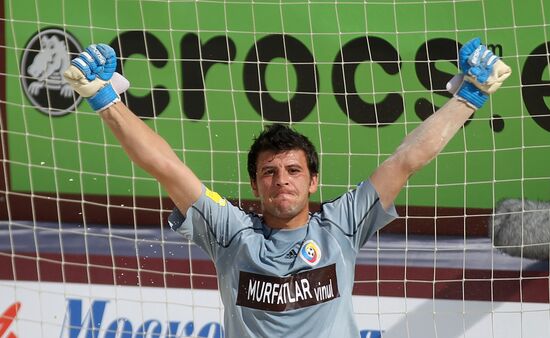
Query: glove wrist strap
point(472, 94)
point(104, 98)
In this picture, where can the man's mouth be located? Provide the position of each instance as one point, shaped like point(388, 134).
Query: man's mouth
point(282, 195)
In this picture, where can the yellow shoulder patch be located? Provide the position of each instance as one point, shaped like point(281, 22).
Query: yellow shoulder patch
point(214, 196)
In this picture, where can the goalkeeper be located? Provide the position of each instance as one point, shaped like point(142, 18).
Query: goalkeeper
point(286, 272)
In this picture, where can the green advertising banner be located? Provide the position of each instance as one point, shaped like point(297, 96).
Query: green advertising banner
point(355, 77)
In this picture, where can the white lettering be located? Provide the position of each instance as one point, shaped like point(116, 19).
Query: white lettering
point(251, 288)
point(285, 293)
point(324, 292)
point(275, 292)
point(290, 298)
point(267, 292)
point(281, 297)
point(316, 290)
point(260, 293)
point(305, 288)
point(298, 291)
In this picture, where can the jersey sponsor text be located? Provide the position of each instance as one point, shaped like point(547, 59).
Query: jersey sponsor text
point(286, 293)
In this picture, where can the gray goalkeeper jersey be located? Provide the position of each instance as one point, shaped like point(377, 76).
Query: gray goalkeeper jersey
point(285, 283)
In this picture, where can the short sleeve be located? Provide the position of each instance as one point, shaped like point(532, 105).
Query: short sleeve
point(211, 222)
point(358, 213)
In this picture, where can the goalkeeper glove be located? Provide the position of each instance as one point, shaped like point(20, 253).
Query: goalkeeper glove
point(92, 75)
point(482, 73)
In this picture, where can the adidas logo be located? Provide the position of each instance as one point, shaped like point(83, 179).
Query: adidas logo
point(291, 254)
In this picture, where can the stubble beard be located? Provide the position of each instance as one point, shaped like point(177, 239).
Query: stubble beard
point(286, 211)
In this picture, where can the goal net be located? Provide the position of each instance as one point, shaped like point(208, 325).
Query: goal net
point(84, 245)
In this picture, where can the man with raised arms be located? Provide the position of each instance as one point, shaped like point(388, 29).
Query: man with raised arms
point(286, 272)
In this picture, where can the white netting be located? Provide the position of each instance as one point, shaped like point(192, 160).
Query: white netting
point(83, 230)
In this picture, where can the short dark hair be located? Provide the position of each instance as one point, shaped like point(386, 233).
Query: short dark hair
point(280, 138)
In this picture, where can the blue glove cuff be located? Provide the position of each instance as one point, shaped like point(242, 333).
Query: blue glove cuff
point(472, 94)
point(104, 98)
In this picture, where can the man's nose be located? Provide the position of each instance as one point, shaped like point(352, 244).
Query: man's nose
point(281, 178)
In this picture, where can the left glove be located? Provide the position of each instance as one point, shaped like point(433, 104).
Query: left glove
point(482, 74)
point(90, 76)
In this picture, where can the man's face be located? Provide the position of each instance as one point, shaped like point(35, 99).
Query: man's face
point(283, 184)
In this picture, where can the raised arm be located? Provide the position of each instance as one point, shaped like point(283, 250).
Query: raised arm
point(90, 75)
point(418, 149)
point(153, 154)
point(483, 74)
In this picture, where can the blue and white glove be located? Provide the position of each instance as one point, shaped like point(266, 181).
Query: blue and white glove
point(482, 73)
point(92, 75)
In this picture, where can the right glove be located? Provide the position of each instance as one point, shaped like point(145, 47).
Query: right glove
point(90, 75)
point(482, 74)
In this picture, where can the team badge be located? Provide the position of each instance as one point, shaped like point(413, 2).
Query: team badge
point(310, 253)
point(45, 57)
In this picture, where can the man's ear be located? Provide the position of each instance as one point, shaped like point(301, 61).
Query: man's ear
point(254, 187)
point(313, 183)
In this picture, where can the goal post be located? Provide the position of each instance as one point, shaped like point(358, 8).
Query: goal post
point(78, 219)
